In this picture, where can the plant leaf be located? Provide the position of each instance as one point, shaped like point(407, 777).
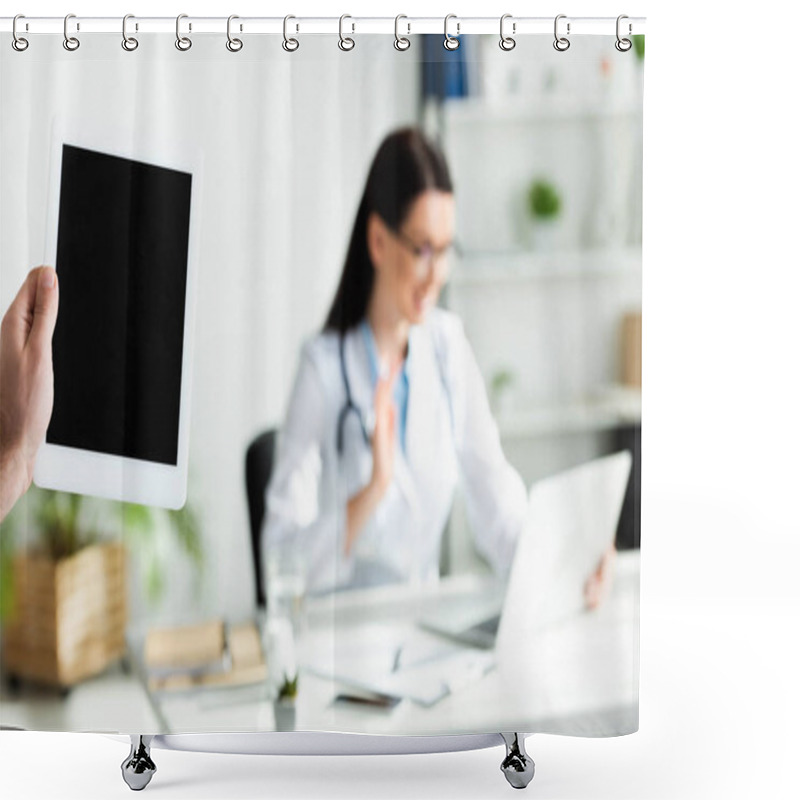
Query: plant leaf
point(187, 531)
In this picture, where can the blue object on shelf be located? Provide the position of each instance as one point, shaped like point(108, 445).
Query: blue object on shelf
point(444, 72)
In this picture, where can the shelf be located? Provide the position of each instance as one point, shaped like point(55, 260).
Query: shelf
point(478, 269)
point(615, 407)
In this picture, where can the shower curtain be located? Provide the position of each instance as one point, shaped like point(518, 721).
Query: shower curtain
point(346, 413)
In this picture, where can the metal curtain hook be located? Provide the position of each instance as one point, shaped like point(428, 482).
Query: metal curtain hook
point(70, 42)
point(561, 43)
point(234, 45)
point(290, 44)
point(128, 42)
point(345, 42)
point(18, 42)
point(449, 42)
point(400, 42)
point(623, 45)
point(507, 42)
point(182, 42)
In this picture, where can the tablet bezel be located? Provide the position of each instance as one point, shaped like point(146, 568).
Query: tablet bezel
point(100, 474)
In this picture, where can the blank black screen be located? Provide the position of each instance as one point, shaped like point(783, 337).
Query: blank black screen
point(123, 237)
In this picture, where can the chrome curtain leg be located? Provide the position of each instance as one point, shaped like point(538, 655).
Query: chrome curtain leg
point(517, 766)
point(138, 768)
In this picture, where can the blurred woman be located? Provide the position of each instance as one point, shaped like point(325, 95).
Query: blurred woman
point(389, 411)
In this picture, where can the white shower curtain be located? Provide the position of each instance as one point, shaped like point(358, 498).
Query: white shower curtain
point(529, 400)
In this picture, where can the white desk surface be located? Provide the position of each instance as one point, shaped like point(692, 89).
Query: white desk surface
point(578, 677)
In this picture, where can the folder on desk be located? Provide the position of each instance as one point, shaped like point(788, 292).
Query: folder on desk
point(206, 655)
point(186, 648)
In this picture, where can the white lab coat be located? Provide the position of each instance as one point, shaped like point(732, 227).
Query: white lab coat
point(307, 496)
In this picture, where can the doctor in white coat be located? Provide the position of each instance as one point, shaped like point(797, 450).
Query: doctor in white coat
point(389, 411)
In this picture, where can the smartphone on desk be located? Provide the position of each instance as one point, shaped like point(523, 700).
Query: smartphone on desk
point(369, 700)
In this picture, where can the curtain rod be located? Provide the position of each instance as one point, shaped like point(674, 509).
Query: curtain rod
point(516, 26)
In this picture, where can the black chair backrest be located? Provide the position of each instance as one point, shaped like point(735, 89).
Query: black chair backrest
point(258, 465)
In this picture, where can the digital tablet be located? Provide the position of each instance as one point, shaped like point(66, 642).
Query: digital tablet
point(121, 228)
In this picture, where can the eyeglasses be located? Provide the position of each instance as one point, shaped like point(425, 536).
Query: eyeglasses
point(429, 259)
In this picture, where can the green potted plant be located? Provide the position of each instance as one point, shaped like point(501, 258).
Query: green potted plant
point(288, 689)
point(63, 599)
point(285, 706)
point(499, 389)
point(544, 208)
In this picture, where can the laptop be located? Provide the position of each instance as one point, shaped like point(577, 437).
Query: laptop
point(572, 521)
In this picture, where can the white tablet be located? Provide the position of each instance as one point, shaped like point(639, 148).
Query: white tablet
point(121, 230)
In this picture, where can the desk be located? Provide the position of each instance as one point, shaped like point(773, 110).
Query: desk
point(111, 702)
point(580, 677)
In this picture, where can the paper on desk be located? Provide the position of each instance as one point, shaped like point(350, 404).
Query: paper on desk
point(430, 681)
point(428, 669)
point(366, 650)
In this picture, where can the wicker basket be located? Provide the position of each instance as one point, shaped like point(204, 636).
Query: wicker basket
point(69, 616)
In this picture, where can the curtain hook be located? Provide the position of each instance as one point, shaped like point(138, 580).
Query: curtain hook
point(18, 42)
point(623, 45)
point(507, 42)
point(346, 43)
point(233, 44)
point(70, 42)
point(401, 42)
point(129, 43)
point(449, 42)
point(561, 43)
point(183, 43)
point(289, 44)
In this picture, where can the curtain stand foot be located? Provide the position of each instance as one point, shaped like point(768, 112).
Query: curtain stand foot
point(517, 766)
point(138, 768)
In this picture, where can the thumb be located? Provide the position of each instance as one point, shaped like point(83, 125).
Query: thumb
point(45, 307)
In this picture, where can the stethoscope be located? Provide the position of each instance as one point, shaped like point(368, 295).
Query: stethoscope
point(351, 407)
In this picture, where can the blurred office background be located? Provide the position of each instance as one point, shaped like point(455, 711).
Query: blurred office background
point(545, 151)
point(546, 157)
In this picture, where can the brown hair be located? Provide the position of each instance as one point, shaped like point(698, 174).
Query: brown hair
point(407, 163)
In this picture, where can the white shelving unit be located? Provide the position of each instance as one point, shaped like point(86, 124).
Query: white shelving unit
point(476, 269)
point(544, 305)
point(592, 415)
point(509, 294)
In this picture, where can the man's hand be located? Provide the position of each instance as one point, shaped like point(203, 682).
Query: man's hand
point(26, 381)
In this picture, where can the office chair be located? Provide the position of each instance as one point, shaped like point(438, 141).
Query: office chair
point(258, 464)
